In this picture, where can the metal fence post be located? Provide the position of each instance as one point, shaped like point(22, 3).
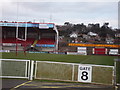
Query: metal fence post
point(0, 75)
point(31, 70)
point(115, 73)
point(73, 72)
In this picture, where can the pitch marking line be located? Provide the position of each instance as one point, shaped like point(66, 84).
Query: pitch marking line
point(20, 85)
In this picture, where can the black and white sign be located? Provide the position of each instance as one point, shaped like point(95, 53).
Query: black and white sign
point(84, 73)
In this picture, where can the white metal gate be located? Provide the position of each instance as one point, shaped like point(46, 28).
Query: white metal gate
point(100, 74)
point(15, 68)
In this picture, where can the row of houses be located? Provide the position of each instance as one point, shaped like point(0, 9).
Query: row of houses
point(75, 34)
point(91, 38)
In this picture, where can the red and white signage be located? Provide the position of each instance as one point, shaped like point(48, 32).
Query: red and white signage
point(100, 51)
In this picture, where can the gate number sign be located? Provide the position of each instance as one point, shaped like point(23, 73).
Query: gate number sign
point(84, 73)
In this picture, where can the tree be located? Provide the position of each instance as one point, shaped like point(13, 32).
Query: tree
point(103, 31)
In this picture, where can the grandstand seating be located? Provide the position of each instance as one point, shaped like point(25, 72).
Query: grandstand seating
point(8, 40)
point(46, 41)
point(29, 41)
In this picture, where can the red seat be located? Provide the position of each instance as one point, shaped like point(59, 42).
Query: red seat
point(9, 40)
point(46, 41)
point(29, 41)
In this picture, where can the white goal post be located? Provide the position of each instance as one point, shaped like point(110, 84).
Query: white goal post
point(17, 32)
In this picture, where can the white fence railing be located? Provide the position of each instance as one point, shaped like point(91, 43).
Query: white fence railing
point(100, 74)
point(15, 68)
point(86, 73)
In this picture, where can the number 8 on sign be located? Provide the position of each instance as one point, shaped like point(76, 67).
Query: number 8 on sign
point(84, 73)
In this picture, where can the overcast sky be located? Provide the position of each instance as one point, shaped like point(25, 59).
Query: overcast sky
point(58, 12)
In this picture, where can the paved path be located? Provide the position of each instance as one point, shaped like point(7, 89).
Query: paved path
point(13, 84)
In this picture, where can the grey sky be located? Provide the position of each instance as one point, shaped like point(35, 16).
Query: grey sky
point(60, 12)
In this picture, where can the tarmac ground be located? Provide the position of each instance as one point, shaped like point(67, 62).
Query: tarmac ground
point(23, 84)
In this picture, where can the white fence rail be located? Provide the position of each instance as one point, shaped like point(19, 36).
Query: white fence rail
point(99, 74)
point(86, 73)
point(15, 68)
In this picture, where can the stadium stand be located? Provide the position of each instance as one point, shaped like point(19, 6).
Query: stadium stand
point(46, 41)
point(8, 40)
point(39, 35)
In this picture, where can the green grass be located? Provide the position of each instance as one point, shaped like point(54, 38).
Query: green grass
point(89, 59)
